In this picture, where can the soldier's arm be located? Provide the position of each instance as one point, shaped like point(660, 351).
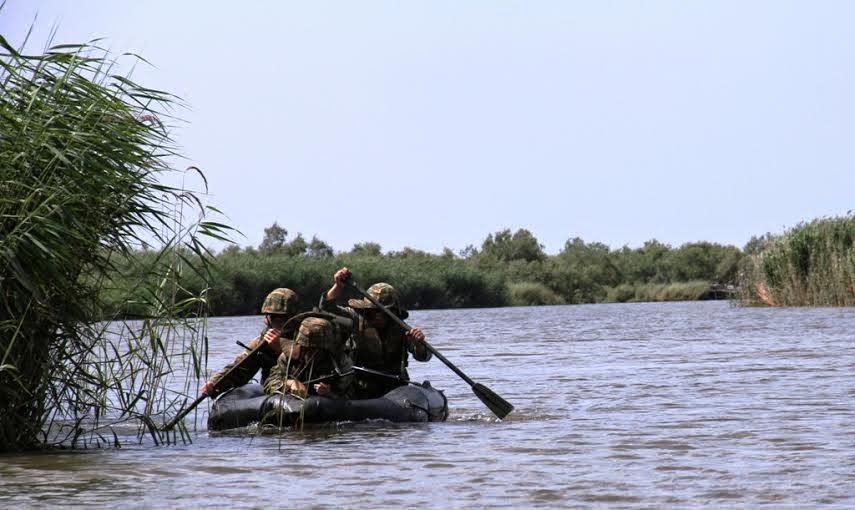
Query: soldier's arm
point(416, 346)
point(275, 382)
point(330, 306)
point(244, 370)
point(329, 297)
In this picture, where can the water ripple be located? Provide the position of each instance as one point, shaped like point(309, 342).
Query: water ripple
point(630, 406)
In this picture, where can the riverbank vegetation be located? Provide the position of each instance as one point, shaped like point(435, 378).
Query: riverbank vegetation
point(509, 268)
point(84, 154)
point(811, 264)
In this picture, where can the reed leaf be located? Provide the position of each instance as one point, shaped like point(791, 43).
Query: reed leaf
point(83, 154)
point(811, 264)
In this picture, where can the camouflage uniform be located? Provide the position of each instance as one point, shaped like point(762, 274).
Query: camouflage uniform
point(323, 355)
point(281, 301)
point(385, 350)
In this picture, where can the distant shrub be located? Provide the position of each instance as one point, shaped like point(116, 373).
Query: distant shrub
point(529, 293)
point(679, 291)
point(623, 293)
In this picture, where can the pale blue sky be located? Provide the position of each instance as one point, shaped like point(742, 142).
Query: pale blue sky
point(433, 124)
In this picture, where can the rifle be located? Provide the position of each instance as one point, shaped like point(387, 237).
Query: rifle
point(332, 375)
point(307, 384)
point(378, 373)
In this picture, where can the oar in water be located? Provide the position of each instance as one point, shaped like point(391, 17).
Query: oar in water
point(497, 404)
point(201, 398)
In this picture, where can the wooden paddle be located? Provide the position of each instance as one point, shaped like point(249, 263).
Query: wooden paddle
point(497, 404)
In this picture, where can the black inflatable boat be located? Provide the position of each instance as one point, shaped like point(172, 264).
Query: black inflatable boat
point(249, 404)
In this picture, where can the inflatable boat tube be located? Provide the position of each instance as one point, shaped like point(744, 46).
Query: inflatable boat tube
point(249, 404)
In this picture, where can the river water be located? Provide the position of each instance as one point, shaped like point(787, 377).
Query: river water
point(645, 405)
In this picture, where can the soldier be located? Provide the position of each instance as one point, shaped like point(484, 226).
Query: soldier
point(315, 364)
point(377, 343)
point(279, 306)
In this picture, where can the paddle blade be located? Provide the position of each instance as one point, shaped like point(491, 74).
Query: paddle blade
point(497, 404)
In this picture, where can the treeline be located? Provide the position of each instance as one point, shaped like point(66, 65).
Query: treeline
point(509, 268)
point(811, 264)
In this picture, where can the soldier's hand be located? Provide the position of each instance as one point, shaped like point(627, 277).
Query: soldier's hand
point(416, 335)
point(207, 389)
point(342, 275)
point(322, 388)
point(295, 387)
point(272, 335)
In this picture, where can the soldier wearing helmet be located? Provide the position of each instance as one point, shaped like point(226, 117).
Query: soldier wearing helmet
point(279, 306)
point(376, 343)
point(314, 364)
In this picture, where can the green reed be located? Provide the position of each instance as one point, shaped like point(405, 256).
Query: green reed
point(643, 292)
point(532, 293)
point(83, 154)
point(811, 264)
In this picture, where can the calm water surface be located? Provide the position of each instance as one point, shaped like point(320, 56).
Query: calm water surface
point(627, 405)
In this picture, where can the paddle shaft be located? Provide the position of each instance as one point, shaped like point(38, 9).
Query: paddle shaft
point(266, 355)
point(499, 406)
point(184, 413)
point(201, 398)
point(407, 327)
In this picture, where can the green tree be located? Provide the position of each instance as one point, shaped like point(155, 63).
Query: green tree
point(521, 245)
point(274, 239)
point(729, 261)
point(700, 261)
point(582, 272)
point(468, 252)
point(369, 249)
point(296, 247)
point(318, 248)
point(643, 265)
point(408, 252)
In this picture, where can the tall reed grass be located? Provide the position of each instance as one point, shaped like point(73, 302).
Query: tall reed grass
point(84, 152)
point(532, 293)
point(811, 264)
point(643, 292)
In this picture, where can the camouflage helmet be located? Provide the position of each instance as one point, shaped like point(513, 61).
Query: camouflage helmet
point(316, 332)
point(281, 301)
point(384, 294)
